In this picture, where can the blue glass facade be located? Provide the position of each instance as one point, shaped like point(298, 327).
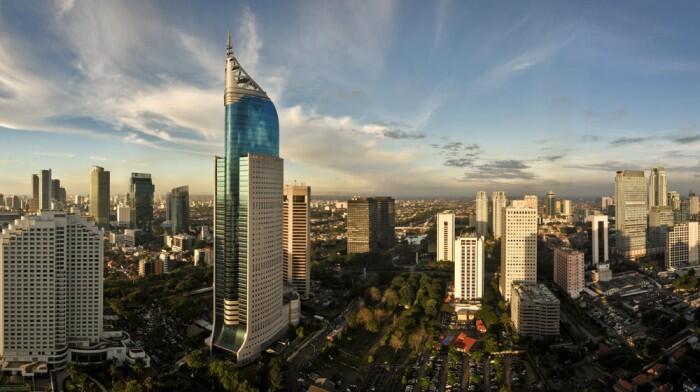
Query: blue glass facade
point(251, 127)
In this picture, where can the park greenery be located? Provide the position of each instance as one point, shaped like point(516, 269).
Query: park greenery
point(405, 313)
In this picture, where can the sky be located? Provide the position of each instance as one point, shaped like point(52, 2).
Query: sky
point(402, 98)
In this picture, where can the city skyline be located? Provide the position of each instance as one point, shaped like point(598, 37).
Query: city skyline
point(558, 91)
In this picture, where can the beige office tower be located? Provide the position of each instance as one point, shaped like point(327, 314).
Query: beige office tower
point(469, 268)
point(683, 245)
point(569, 272)
point(259, 311)
point(599, 238)
point(99, 196)
point(295, 237)
point(534, 310)
point(361, 225)
point(531, 201)
point(660, 220)
point(673, 199)
point(445, 236)
point(52, 268)
point(694, 204)
point(658, 187)
point(498, 203)
point(631, 213)
point(566, 208)
point(481, 205)
point(518, 246)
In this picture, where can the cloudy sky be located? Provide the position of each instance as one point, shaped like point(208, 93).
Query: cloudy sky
point(408, 98)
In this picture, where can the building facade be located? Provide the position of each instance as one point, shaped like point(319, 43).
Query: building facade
point(141, 199)
point(599, 239)
point(469, 268)
point(693, 204)
point(683, 245)
point(45, 184)
point(99, 195)
point(531, 201)
point(660, 220)
point(658, 187)
point(361, 225)
point(631, 213)
point(296, 254)
point(534, 310)
point(52, 269)
point(178, 209)
point(386, 217)
point(498, 203)
point(445, 236)
point(569, 270)
point(248, 282)
point(551, 210)
point(518, 247)
point(481, 205)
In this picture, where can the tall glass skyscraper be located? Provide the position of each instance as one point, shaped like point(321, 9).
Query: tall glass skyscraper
point(141, 192)
point(248, 307)
point(178, 208)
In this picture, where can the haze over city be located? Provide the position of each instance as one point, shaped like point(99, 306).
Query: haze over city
point(403, 98)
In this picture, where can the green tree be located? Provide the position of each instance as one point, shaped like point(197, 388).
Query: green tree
point(275, 375)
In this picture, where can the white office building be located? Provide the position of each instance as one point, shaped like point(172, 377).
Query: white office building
point(599, 238)
point(51, 280)
point(683, 245)
point(481, 205)
point(531, 201)
point(469, 268)
point(498, 203)
point(518, 246)
point(123, 216)
point(631, 213)
point(445, 236)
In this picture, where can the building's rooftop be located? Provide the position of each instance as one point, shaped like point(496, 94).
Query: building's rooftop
point(534, 292)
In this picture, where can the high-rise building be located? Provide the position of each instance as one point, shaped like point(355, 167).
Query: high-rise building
point(534, 310)
point(52, 268)
point(99, 195)
point(386, 217)
point(141, 196)
point(445, 236)
point(660, 220)
point(34, 203)
point(469, 268)
point(631, 213)
point(551, 204)
point(55, 189)
point(599, 238)
point(518, 247)
point(296, 254)
point(683, 245)
point(566, 208)
point(693, 204)
point(482, 213)
point(674, 200)
point(531, 201)
point(658, 186)
point(498, 203)
point(569, 272)
point(606, 201)
point(2, 201)
point(123, 216)
point(45, 190)
point(248, 281)
point(178, 208)
point(361, 225)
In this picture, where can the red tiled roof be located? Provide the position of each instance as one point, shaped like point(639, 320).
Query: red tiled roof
point(464, 342)
point(625, 385)
point(640, 379)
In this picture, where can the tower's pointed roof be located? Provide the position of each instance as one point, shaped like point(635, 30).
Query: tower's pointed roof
point(237, 79)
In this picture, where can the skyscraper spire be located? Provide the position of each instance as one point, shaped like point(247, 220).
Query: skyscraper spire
point(229, 48)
